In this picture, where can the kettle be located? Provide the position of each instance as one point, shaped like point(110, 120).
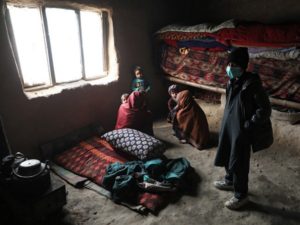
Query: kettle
point(9, 162)
point(30, 168)
point(31, 178)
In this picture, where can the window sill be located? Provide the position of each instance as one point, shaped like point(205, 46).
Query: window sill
point(59, 88)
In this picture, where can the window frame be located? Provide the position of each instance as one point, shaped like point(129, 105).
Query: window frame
point(46, 37)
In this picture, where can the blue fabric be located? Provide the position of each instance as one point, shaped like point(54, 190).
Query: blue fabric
point(203, 43)
point(123, 178)
point(140, 84)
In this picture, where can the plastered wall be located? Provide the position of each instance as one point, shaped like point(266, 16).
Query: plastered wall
point(29, 123)
point(266, 11)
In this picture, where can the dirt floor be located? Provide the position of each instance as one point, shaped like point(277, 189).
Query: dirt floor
point(274, 187)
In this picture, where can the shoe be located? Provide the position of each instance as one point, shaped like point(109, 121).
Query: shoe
point(223, 185)
point(235, 203)
point(183, 141)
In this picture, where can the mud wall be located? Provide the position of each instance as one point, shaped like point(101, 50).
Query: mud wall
point(31, 122)
point(265, 11)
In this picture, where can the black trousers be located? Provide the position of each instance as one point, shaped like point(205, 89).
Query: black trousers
point(238, 175)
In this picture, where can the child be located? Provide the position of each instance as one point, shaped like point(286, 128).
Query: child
point(190, 123)
point(139, 83)
point(172, 103)
point(124, 97)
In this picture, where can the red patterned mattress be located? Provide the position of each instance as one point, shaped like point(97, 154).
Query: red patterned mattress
point(91, 157)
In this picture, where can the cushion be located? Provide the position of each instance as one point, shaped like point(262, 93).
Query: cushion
point(135, 142)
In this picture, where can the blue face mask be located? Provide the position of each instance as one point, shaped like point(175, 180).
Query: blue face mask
point(233, 72)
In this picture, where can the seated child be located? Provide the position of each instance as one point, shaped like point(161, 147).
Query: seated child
point(139, 83)
point(172, 102)
point(190, 123)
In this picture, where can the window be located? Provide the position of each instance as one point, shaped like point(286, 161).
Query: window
point(55, 46)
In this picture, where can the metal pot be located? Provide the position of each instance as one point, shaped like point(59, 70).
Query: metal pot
point(30, 168)
point(31, 178)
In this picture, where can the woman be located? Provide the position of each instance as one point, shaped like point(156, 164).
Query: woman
point(134, 114)
point(191, 121)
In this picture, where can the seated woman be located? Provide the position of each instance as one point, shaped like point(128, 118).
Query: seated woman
point(133, 114)
point(190, 123)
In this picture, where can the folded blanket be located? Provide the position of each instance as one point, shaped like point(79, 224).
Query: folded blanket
point(204, 27)
point(72, 178)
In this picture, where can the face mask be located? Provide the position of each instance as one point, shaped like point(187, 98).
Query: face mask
point(233, 72)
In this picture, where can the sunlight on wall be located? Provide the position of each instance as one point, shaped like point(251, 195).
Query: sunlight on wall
point(76, 47)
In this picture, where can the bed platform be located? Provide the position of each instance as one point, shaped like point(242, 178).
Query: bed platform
point(197, 56)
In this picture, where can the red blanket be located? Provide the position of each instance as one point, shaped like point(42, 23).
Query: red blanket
point(134, 114)
point(254, 34)
point(245, 34)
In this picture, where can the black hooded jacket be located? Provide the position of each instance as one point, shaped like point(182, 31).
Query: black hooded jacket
point(246, 121)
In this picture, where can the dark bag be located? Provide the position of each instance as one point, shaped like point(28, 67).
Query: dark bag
point(262, 136)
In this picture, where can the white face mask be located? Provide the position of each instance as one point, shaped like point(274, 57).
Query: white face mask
point(234, 72)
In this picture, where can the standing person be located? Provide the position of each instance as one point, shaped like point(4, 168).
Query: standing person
point(246, 123)
point(139, 83)
point(190, 124)
point(133, 113)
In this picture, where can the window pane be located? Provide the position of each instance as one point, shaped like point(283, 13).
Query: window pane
point(65, 44)
point(30, 44)
point(92, 38)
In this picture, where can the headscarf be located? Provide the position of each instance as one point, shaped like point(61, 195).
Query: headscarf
point(173, 88)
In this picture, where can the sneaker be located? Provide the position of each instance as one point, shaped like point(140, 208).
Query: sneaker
point(183, 141)
point(235, 203)
point(223, 185)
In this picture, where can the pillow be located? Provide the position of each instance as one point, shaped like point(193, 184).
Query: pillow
point(135, 142)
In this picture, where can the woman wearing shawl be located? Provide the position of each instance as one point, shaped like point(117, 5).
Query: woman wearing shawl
point(134, 114)
point(191, 121)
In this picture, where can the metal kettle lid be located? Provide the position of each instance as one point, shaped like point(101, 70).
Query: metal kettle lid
point(30, 163)
point(30, 168)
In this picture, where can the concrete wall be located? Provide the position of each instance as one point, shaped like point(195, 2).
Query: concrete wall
point(266, 11)
point(29, 123)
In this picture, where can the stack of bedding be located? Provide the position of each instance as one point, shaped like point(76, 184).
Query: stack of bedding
point(198, 54)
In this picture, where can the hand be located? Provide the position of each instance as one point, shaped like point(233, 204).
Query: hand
point(248, 125)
